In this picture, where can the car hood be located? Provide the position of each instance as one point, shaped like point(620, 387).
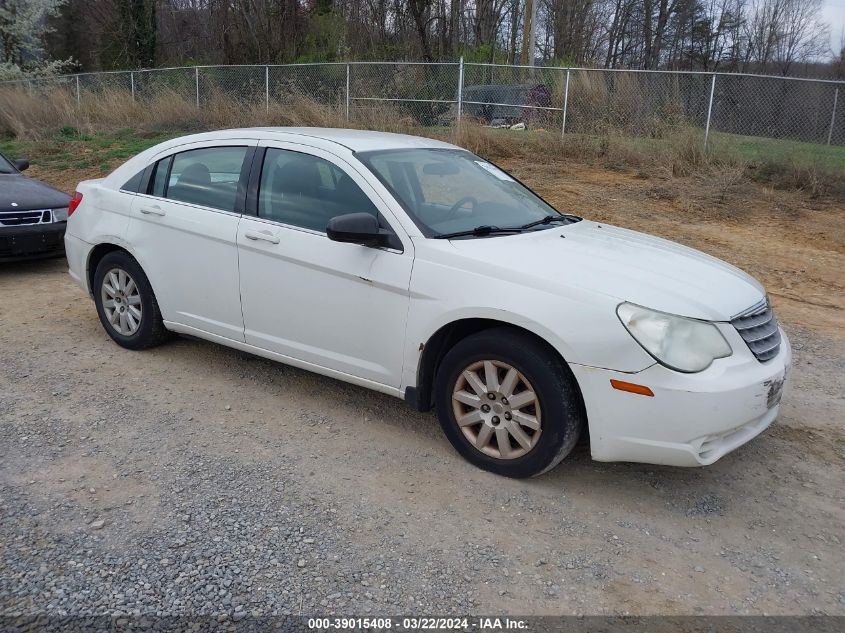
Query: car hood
point(624, 264)
point(26, 194)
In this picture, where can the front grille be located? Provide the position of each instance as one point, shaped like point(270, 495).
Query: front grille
point(19, 218)
point(759, 329)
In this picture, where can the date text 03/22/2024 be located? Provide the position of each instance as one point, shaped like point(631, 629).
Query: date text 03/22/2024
point(419, 623)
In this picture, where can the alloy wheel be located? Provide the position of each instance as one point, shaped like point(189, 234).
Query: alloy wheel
point(497, 409)
point(121, 301)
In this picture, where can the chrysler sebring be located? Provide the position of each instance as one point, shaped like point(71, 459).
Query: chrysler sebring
point(415, 268)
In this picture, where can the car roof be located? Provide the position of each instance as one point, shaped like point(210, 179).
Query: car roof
point(324, 138)
point(354, 140)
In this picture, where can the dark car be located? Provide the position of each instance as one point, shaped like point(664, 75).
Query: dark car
point(504, 104)
point(33, 215)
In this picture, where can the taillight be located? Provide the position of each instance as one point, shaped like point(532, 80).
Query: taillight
point(74, 202)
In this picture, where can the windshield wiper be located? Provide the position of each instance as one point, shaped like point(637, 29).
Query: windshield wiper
point(484, 229)
point(549, 219)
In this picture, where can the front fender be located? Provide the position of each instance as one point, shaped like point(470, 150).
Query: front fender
point(579, 338)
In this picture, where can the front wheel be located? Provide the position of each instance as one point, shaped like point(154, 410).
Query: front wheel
point(508, 404)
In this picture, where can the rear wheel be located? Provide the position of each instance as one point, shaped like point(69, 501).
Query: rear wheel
point(507, 403)
point(126, 304)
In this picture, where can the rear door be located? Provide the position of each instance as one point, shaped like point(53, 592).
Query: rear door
point(184, 229)
point(330, 304)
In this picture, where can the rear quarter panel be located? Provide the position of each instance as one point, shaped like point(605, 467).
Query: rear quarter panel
point(101, 218)
point(102, 215)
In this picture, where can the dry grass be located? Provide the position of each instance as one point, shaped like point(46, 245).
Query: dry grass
point(681, 154)
point(32, 116)
point(725, 178)
point(668, 147)
point(625, 105)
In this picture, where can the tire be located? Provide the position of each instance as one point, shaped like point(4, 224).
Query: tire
point(550, 424)
point(130, 316)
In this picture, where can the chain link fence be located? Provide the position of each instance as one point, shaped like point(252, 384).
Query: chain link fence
point(649, 104)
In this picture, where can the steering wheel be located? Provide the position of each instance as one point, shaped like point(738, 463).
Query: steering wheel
point(454, 210)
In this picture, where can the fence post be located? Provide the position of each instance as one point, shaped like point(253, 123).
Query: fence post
point(347, 92)
point(709, 111)
point(78, 98)
point(197, 81)
point(565, 104)
point(833, 115)
point(460, 90)
point(267, 88)
point(132, 85)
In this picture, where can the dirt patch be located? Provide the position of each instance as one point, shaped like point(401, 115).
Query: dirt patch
point(64, 179)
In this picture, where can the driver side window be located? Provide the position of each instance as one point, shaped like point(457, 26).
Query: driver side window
point(306, 191)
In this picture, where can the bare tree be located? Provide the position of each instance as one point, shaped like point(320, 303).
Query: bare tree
point(572, 28)
point(783, 32)
point(802, 36)
point(760, 35)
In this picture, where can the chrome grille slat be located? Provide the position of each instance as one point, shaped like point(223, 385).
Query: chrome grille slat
point(752, 335)
point(763, 357)
point(759, 329)
point(761, 349)
point(22, 218)
point(754, 320)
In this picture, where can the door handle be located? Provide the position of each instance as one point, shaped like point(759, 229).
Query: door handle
point(152, 211)
point(261, 235)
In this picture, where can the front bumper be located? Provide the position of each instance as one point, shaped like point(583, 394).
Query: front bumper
point(31, 241)
point(693, 419)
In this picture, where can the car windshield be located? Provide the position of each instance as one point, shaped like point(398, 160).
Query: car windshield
point(6, 167)
point(449, 191)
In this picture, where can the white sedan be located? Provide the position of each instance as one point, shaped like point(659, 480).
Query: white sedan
point(416, 268)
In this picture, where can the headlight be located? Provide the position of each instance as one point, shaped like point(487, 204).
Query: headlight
point(679, 343)
point(59, 215)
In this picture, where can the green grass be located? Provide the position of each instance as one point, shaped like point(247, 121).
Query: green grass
point(755, 149)
point(772, 155)
point(68, 149)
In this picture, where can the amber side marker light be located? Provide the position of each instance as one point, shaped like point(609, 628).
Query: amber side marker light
point(630, 387)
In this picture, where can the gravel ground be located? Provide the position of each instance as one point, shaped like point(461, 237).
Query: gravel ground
point(194, 479)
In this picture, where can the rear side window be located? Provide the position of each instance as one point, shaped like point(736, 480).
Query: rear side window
point(134, 184)
point(208, 177)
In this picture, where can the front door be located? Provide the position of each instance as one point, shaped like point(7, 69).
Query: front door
point(334, 305)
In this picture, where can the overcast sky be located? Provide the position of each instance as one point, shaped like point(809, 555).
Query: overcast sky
point(834, 14)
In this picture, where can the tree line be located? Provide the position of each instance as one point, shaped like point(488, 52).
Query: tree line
point(785, 37)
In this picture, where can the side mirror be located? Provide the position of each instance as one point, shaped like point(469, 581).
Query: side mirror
point(22, 164)
point(357, 228)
